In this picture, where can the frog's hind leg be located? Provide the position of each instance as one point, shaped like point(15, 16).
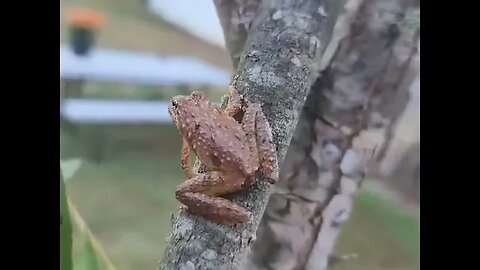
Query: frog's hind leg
point(260, 138)
point(248, 126)
point(199, 195)
point(266, 148)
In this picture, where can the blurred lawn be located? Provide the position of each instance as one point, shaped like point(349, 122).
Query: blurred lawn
point(382, 234)
point(127, 200)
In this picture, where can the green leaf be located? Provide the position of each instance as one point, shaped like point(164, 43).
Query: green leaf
point(88, 259)
point(65, 229)
point(92, 246)
point(69, 167)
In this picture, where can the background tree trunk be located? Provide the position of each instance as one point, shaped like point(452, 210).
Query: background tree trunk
point(326, 161)
point(401, 163)
point(406, 120)
point(279, 64)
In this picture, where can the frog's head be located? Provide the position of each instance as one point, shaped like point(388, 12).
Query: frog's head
point(176, 107)
point(180, 107)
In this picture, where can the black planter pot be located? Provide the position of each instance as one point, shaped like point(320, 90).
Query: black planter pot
point(81, 40)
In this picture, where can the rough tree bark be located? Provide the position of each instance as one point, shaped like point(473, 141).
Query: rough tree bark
point(403, 130)
point(326, 161)
point(401, 163)
point(236, 17)
point(279, 63)
point(398, 105)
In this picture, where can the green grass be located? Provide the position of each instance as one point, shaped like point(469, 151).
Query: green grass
point(404, 226)
point(127, 200)
point(127, 204)
point(382, 234)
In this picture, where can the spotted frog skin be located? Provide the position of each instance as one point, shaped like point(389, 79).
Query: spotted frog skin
point(232, 150)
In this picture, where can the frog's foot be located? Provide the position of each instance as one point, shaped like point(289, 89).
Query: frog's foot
point(199, 195)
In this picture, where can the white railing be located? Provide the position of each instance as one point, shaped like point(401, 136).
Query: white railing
point(139, 68)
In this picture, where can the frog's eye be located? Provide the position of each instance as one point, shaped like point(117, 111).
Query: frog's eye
point(174, 103)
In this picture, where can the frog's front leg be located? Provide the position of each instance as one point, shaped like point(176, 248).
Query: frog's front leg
point(185, 159)
point(200, 195)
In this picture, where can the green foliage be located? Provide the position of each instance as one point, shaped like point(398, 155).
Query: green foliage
point(88, 259)
point(65, 229)
point(92, 256)
point(69, 167)
point(67, 170)
point(92, 253)
point(396, 222)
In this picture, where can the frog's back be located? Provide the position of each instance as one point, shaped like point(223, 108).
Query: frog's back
point(222, 140)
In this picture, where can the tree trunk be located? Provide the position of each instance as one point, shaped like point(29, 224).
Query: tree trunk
point(280, 62)
point(327, 157)
point(236, 18)
point(403, 99)
point(405, 131)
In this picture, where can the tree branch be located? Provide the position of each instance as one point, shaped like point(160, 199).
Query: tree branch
point(236, 17)
point(279, 64)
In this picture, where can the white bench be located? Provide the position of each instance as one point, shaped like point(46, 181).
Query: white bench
point(100, 112)
point(83, 111)
point(119, 66)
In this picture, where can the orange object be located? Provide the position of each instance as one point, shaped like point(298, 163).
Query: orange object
point(85, 18)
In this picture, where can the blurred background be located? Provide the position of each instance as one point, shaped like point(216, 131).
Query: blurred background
point(114, 118)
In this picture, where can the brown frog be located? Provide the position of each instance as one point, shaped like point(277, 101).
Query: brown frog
point(232, 150)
